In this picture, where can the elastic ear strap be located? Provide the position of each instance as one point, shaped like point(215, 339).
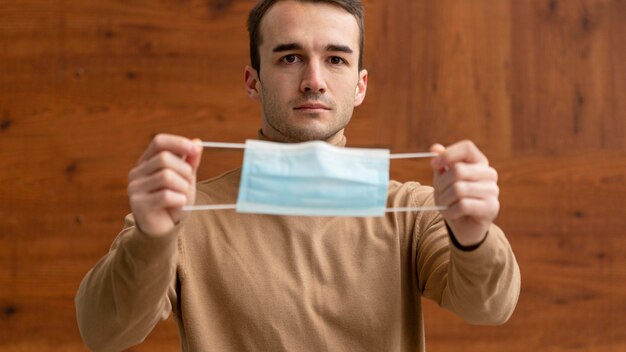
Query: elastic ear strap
point(224, 145)
point(209, 207)
point(243, 146)
point(234, 206)
point(412, 155)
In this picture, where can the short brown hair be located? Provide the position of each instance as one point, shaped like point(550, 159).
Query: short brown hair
point(354, 7)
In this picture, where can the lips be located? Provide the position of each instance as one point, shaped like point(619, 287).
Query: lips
point(312, 106)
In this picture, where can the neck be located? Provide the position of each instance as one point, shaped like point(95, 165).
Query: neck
point(338, 139)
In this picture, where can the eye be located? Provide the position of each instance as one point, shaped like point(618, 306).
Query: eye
point(336, 60)
point(290, 59)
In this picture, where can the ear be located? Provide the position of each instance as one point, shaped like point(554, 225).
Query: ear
point(361, 88)
point(251, 80)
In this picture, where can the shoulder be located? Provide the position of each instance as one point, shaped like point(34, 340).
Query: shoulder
point(228, 178)
point(410, 194)
point(223, 187)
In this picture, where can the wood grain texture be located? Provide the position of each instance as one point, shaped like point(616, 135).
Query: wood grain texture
point(569, 75)
point(539, 85)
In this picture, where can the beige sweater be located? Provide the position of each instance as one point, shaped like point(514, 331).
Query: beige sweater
point(250, 282)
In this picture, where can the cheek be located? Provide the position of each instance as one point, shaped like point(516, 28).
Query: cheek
point(349, 91)
point(278, 85)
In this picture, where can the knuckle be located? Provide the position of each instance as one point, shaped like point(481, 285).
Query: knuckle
point(131, 188)
point(496, 190)
point(494, 173)
point(162, 158)
point(169, 197)
point(166, 195)
point(132, 174)
point(496, 206)
point(159, 139)
point(459, 188)
point(134, 199)
point(466, 143)
point(457, 170)
point(166, 176)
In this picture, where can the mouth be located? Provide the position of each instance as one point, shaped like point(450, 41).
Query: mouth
point(311, 107)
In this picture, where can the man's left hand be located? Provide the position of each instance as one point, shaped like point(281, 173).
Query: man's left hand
point(466, 184)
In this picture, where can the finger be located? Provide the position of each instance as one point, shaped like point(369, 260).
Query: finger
point(464, 151)
point(159, 200)
point(437, 148)
point(435, 162)
point(462, 190)
point(163, 160)
point(479, 209)
point(194, 156)
point(167, 142)
point(465, 172)
point(163, 179)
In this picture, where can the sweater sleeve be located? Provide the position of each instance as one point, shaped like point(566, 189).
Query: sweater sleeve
point(481, 285)
point(128, 291)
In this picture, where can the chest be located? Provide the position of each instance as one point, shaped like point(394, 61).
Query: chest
point(306, 273)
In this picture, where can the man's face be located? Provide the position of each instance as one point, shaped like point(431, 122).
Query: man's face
point(310, 80)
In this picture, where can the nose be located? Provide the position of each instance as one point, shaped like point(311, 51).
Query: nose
point(313, 79)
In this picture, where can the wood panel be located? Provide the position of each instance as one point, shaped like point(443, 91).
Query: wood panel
point(569, 75)
point(539, 85)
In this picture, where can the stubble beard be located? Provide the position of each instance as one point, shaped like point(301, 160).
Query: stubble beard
point(277, 117)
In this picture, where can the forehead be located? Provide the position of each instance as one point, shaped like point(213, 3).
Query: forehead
point(312, 25)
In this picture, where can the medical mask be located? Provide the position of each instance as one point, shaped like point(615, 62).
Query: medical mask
point(312, 179)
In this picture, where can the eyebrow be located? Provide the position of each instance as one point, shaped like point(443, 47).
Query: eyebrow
point(287, 47)
point(295, 46)
point(340, 48)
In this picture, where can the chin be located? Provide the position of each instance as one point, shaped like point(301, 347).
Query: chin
point(305, 135)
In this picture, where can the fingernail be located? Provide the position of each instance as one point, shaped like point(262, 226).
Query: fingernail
point(197, 145)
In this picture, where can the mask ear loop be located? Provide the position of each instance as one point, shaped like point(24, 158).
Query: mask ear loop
point(412, 155)
point(216, 206)
point(243, 146)
point(422, 208)
point(224, 145)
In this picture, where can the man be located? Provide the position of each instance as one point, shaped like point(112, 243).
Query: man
point(254, 282)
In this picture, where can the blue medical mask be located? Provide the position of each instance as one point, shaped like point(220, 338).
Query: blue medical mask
point(313, 179)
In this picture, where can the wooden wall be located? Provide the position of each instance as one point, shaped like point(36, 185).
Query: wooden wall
point(539, 85)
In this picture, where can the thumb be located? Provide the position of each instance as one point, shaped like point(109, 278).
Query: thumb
point(194, 157)
point(438, 163)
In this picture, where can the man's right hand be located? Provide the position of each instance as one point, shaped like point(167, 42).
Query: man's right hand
point(164, 181)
